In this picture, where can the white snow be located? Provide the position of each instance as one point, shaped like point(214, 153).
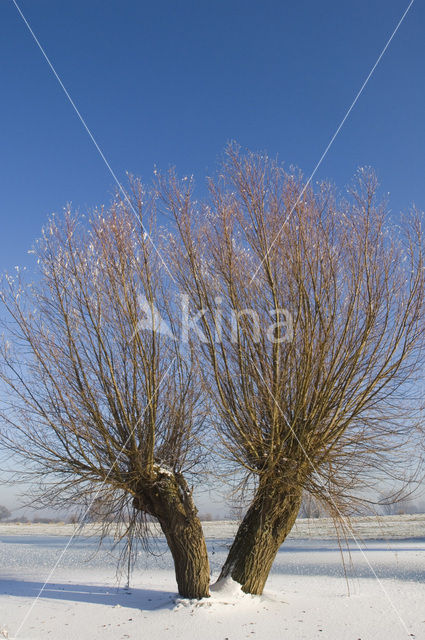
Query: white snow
point(307, 595)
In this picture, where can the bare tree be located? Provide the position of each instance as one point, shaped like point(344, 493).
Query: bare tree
point(309, 337)
point(397, 503)
point(4, 513)
point(310, 328)
point(310, 508)
point(100, 409)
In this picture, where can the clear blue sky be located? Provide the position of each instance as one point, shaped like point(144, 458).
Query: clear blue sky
point(171, 82)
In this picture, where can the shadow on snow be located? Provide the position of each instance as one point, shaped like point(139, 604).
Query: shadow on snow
point(146, 599)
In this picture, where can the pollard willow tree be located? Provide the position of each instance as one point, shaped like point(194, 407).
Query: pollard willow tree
point(99, 410)
point(310, 338)
point(310, 322)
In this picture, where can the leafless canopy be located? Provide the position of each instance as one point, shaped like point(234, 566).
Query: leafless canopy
point(315, 375)
point(92, 401)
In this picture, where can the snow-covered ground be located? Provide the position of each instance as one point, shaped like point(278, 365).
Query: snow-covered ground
point(307, 595)
point(404, 526)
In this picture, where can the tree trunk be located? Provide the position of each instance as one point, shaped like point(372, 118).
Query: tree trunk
point(169, 499)
point(187, 545)
point(265, 526)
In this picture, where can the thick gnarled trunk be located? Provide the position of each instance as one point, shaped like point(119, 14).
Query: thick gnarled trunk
point(169, 499)
point(265, 526)
point(187, 546)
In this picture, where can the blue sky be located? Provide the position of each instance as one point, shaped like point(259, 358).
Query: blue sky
point(170, 83)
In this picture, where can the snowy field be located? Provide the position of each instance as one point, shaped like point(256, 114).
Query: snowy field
point(381, 597)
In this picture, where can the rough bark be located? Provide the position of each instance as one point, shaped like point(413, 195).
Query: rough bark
point(169, 499)
point(265, 526)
